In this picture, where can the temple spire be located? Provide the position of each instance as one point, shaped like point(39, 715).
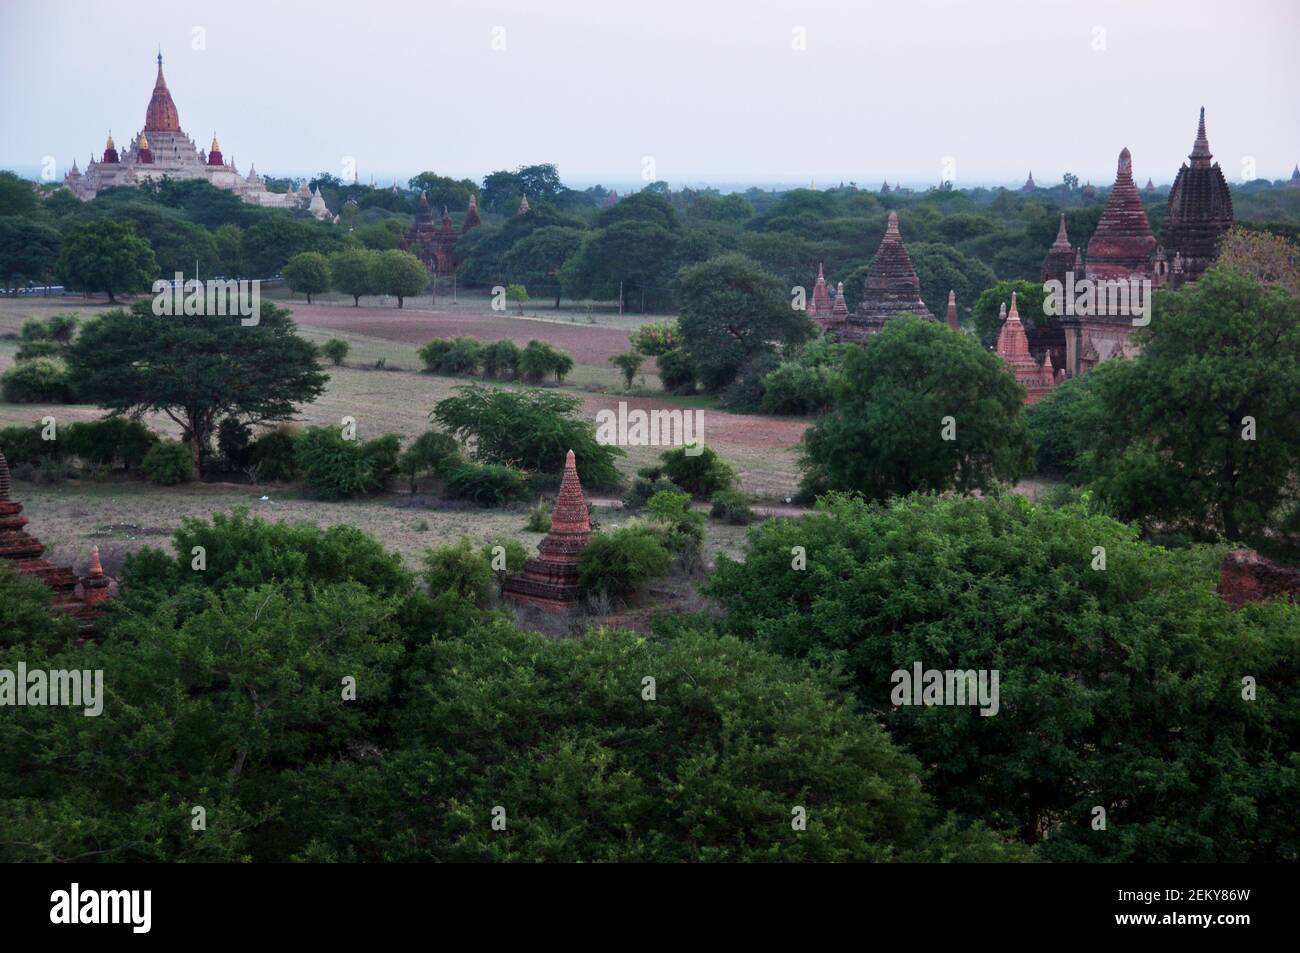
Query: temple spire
point(1200, 154)
point(953, 322)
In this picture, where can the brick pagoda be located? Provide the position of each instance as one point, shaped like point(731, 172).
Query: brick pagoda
point(1013, 347)
point(819, 304)
point(79, 597)
point(550, 580)
point(1200, 210)
point(891, 289)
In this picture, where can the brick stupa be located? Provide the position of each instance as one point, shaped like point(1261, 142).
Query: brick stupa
point(1200, 209)
point(1060, 257)
point(1013, 347)
point(1123, 245)
point(25, 553)
point(891, 288)
point(550, 579)
point(819, 304)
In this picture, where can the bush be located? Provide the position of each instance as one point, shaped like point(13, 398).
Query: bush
point(336, 350)
point(514, 552)
point(701, 474)
point(677, 372)
point(168, 463)
point(796, 388)
point(29, 350)
point(336, 468)
point(500, 359)
point(274, 455)
point(683, 526)
point(618, 562)
point(731, 507)
point(538, 359)
point(531, 429)
point(432, 452)
point(655, 339)
point(461, 570)
point(111, 441)
point(42, 380)
point(629, 364)
point(643, 488)
point(745, 391)
point(382, 454)
point(539, 518)
point(24, 445)
point(462, 357)
point(487, 484)
point(432, 353)
point(234, 443)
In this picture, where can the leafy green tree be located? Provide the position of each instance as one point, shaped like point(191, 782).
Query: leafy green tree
point(636, 255)
point(431, 452)
point(336, 350)
point(106, 256)
point(619, 562)
point(230, 250)
point(517, 294)
point(17, 195)
point(629, 363)
point(1203, 429)
point(536, 259)
point(531, 429)
point(1029, 304)
point(731, 310)
point(443, 191)
point(308, 273)
point(918, 408)
point(400, 274)
point(1118, 687)
point(353, 273)
point(198, 369)
point(29, 250)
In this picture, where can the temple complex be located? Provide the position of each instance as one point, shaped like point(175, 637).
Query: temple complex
point(162, 150)
point(891, 289)
point(550, 580)
point(1200, 210)
point(435, 245)
point(78, 597)
point(1013, 347)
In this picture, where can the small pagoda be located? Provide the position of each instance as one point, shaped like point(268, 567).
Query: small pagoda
point(550, 579)
point(891, 289)
point(819, 304)
point(78, 597)
point(1013, 347)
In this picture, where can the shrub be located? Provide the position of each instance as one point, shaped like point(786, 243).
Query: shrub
point(701, 474)
point(336, 350)
point(168, 463)
point(538, 359)
point(273, 454)
point(460, 570)
point(643, 488)
point(111, 441)
point(530, 429)
point(618, 562)
point(731, 507)
point(24, 445)
point(382, 454)
point(42, 380)
point(511, 559)
point(539, 518)
point(432, 452)
point(28, 350)
point(745, 392)
point(487, 484)
point(677, 372)
point(500, 359)
point(462, 357)
point(336, 468)
point(432, 353)
point(683, 526)
point(655, 338)
point(796, 388)
point(629, 364)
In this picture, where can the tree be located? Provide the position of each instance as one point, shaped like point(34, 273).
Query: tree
point(353, 273)
point(308, 273)
point(1203, 429)
point(638, 255)
point(536, 259)
point(230, 250)
point(528, 428)
point(17, 195)
point(1270, 258)
point(1029, 297)
point(731, 310)
point(196, 369)
point(918, 408)
point(399, 273)
point(106, 256)
point(1119, 688)
point(629, 363)
point(517, 294)
point(28, 250)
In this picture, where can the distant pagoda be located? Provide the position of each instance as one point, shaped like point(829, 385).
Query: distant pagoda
point(1123, 245)
point(891, 289)
point(1013, 347)
point(1029, 185)
point(550, 580)
point(1060, 257)
point(953, 321)
point(1200, 210)
point(819, 303)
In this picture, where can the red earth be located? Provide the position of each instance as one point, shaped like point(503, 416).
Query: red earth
point(586, 344)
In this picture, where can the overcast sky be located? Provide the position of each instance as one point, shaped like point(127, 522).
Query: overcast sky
point(689, 91)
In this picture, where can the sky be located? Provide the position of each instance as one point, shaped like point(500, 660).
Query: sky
point(725, 92)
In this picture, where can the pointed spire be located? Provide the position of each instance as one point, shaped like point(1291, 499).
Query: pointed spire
point(953, 321)
point(523, 206)
point(1062, 242)
point(96, 570)
point(1014, 313)
point(840, 307)
point(1200, 154)
point(1002, 312)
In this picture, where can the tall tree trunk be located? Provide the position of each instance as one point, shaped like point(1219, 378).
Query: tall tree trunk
point(196, 455)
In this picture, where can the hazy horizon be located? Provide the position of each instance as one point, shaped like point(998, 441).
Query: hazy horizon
point(724, 95)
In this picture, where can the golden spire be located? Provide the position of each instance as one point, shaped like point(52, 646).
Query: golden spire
point(216, 146)
point(143, 143)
